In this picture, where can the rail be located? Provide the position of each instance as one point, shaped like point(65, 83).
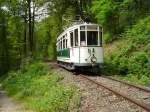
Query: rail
point(138, 103)
point(127, 83)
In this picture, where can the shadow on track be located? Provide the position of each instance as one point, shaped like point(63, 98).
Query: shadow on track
point(85, 72)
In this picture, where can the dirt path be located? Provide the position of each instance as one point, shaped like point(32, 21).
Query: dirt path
point(6, 104)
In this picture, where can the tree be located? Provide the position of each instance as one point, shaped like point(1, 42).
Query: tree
point(4, 53)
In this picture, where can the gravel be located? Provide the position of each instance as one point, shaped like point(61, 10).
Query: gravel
point(133, 92)
point(94, 98)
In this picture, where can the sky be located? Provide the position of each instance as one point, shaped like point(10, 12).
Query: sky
point(42, 12)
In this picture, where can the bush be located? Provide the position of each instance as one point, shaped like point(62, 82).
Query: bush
point(39, 89)
point(107, 37)
point(132, 57)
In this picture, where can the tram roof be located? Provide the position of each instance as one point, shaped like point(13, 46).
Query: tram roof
point(74, 26)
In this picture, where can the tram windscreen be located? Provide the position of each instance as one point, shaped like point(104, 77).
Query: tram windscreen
point(92, 38)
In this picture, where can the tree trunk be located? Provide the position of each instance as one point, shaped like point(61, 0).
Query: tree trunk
point(33, 23)
point(47, 43)
point(5, 53)
point(30, 28)
point(25, 34)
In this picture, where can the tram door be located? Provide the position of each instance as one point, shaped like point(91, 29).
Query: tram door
point(74, 43)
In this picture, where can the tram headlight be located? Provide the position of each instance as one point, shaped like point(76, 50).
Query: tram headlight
point(93, 59)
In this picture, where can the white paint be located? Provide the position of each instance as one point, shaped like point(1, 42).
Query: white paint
point(79, 54)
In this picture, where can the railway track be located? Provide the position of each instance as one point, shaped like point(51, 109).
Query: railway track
point(114, 94)
point(116, 87)
point(129, 84)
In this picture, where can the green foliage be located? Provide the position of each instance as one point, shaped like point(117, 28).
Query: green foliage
point(104, 9)
point(62, 14)
point(118, 15)
point(106, 13)
point(39, 89)
point(107, 37)
point(133, 57)
point(11, 39)
point(46, 33)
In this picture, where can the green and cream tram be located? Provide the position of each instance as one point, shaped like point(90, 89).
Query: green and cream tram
point(80, 47)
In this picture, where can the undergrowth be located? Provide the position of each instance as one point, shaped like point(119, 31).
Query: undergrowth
point(129, 57)
point(38, 88)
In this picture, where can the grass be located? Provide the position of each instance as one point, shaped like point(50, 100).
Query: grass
point(38, 88)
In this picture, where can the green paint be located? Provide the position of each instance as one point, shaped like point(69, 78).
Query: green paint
point(64, 53)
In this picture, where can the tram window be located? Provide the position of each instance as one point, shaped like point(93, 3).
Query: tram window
point(71, 39)
point(100, 38)
point(76, 37)
point(92, 27)
point(60, 45)
point(92, 38)
point(66, 43)
point(82, 38)
point(63, 43)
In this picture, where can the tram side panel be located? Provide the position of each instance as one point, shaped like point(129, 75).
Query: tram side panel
point(74, 55)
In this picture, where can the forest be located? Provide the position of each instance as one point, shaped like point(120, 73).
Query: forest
point(25, 38)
